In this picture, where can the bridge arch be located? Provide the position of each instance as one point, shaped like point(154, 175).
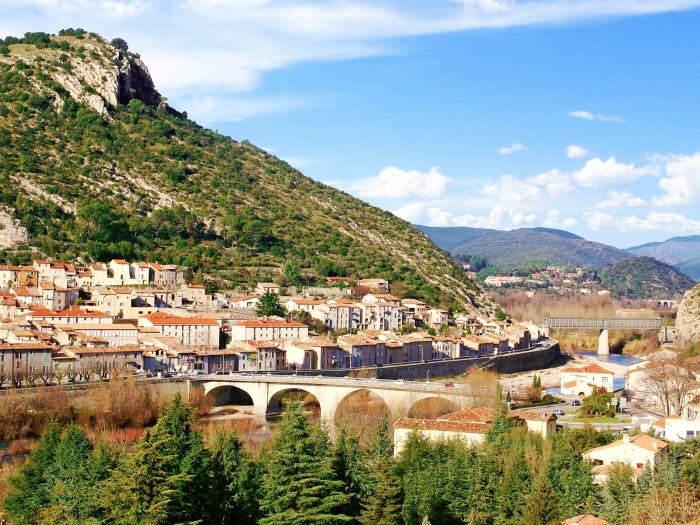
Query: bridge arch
point(361, 410)
point(432, 407)
point(230, 395)
point(276, 401)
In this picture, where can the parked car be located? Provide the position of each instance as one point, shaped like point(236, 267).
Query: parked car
point(166, 375)
point(449, 385)
point(576, 403)
point(400, 381)
point(558, 412)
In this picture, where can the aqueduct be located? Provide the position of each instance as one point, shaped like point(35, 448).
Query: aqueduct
point(266, 392)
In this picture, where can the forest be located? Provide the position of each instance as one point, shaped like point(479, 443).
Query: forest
point(177, 474)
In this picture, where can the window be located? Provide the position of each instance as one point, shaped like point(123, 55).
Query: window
point(605, 380)
point(690, 433)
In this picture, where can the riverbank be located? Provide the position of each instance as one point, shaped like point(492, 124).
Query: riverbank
point(551, 376)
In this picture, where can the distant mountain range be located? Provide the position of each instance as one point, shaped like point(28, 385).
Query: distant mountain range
point(682, 252)
point(525, 246)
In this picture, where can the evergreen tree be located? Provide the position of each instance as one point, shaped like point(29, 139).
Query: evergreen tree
point(74, 476)
point(165, 481)
point(350, 464)
point(300, 486)
point(541, 507)
point(501, 422)
point(230, 466)
point(268, 305)
point(31, 485)
point(383, 505)
point(516, 484)
point(617, 494)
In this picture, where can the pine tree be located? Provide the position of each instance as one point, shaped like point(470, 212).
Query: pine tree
point(31, 484)
point(501, 422)
point(300, 486)
point(541, 507)
point(269, 305)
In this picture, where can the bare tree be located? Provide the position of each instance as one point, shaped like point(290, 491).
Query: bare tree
point(671, 385)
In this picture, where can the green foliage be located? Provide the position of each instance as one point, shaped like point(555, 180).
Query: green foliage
point(269, 305)
point(645, 278)
point(299, 485)
point(499, 314)
point(597, 404)
point(541, 507)
point(150, 184)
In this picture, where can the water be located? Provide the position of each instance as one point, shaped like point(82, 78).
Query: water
point(617, 359)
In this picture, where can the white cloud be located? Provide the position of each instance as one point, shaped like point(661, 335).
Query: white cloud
point(553, 220)
point(577, 152)
point(512, 189)
point(597, 173)
point(556, 182)
point(222, 108)
point(395, 183)
point(198, 47)
point(671, 222)
point(682, 181)
point(412, 213)
point(622, 199)
point(499, 218)
point(507, 150)
point(587, 115)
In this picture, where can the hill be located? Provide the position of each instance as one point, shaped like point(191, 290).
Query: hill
point(526, 246)
point(645, 278)
point(96, 165)
point(450, 238)
point(683, 252)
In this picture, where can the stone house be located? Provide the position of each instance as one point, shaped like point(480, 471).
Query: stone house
point(581, 380)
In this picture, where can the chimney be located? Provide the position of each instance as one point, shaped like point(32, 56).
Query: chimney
point(626, 439)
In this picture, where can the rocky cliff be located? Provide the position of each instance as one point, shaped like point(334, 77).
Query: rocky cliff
point(688, 320)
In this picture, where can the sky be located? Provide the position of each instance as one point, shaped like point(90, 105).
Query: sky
point(573, 114)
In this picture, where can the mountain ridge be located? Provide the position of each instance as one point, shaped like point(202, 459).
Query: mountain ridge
point(524, 246)
point(109, 170)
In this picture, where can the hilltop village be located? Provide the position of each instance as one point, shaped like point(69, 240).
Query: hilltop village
point(62, 322)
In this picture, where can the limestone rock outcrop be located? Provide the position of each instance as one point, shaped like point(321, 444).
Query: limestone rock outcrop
point(11, 233)
point(688, 318)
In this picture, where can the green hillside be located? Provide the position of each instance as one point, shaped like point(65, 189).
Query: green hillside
point(526, 246)
point(645, 278)
point(683, 252)
point(96, 165)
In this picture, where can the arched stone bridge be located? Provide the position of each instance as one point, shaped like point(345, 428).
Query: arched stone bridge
point(267, 392)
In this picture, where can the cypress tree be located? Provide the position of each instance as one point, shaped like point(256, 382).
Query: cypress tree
point(300, 485)
point(541, 507)
point(515, 486)
point(383, 505)
point(31, 484)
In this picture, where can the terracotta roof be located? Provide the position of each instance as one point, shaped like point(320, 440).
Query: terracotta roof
point(642, 441)
point(588, 369)
point(119, 261)
point(195, 286)
point(121, 290)
point(304, 301)
point(661, 423)
point(584, 519)
point(25, 346)
point(268, 285)
point(140, 265)
point(482, 414)
point(156, 267)
point(98, 267)
point(528, 415)
point(244, 298)
point(261, 323)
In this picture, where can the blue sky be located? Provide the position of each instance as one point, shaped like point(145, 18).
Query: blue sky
point(574, 114)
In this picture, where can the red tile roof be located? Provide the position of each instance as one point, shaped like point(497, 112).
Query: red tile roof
point(642, 441)
point(442, 425)
point(588, 369)
point(584, 519)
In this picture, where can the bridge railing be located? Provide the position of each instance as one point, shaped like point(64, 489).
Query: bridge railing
point(434, 386)
point(653, 323)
